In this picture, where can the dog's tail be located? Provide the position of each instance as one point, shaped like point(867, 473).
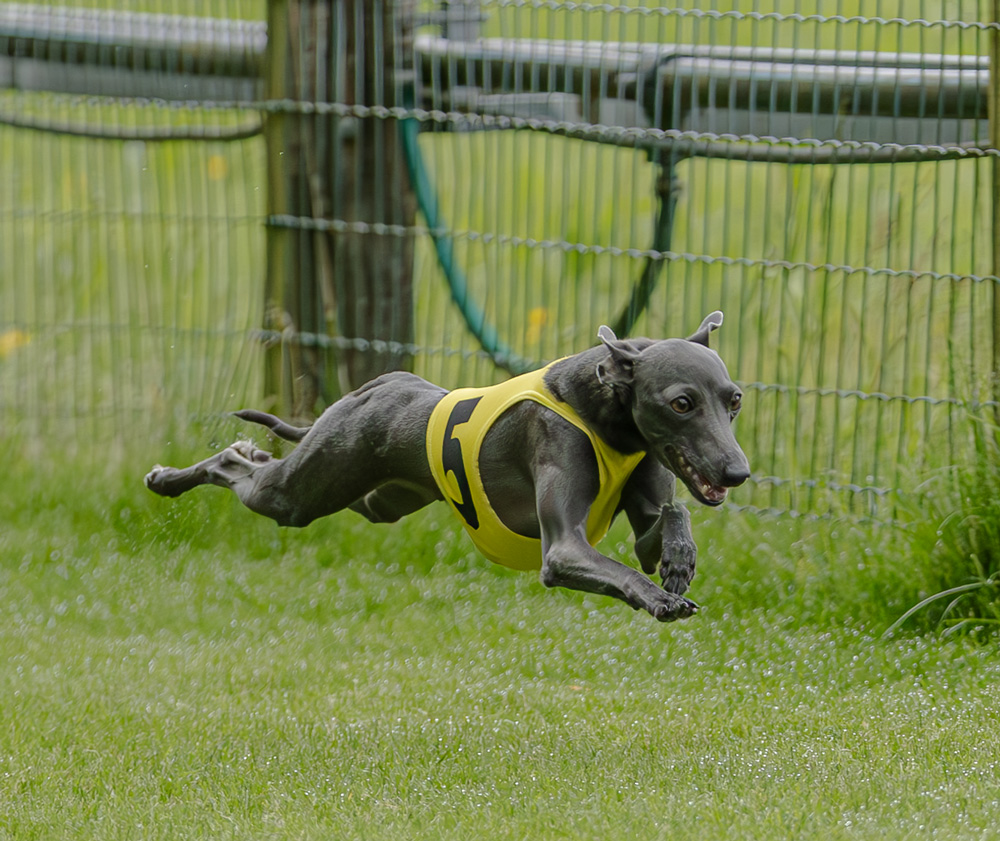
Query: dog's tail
point(276, 425)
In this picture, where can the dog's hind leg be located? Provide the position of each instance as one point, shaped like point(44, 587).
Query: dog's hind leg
point(260, 481)
point(393, 501)
point(367, 451)
point(234, 463)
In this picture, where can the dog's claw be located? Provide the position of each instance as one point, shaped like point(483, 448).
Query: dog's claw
point(675, 608)
point(676, 583)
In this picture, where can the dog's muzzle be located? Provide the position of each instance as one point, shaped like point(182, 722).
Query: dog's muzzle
point(703, 489)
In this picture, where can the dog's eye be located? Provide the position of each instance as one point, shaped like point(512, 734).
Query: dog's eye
point(734, 404)
point(681, 405)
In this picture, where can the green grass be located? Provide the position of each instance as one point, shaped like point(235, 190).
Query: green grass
point(957, 535)
point(182, 668)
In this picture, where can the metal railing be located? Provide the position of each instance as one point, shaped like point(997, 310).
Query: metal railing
point(868, 106)
point(916, 105)
point(130, 54)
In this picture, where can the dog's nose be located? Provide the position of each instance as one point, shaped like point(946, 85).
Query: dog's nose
point(736, 473)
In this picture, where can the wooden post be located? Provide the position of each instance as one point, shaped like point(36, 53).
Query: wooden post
point(326, 166)
point(295, 376)
point(374, 274)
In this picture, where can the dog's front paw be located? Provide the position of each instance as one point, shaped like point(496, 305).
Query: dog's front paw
point(679, 553)
point(671, 607)
point(677, 575)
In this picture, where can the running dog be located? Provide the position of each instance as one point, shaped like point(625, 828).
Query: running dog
point(535, 468)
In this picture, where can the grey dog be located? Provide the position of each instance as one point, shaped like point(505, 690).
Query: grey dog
point(664, 408)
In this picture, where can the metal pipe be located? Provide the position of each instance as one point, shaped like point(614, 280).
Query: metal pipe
point(180, 57)
point(629, 56)
point(871, 91)
point(868, 83)
point(167, 56)
point(40, 46)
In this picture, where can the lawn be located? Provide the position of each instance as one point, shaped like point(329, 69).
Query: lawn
point(183, 669)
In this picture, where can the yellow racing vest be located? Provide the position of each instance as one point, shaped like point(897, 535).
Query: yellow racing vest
point(455, 435)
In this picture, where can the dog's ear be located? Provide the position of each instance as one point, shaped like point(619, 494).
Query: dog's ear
point(711, 322)
point(618, 368)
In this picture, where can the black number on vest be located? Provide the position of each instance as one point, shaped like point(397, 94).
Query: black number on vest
point(451, 459)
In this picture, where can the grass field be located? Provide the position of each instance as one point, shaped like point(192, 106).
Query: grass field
point(183, 669)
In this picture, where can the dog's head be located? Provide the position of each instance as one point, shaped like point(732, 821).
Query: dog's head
point(683, 404)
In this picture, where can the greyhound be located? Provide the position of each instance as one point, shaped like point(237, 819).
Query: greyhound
point(559, 454)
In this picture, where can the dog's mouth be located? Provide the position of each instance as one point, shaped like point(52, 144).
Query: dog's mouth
point(703, 490)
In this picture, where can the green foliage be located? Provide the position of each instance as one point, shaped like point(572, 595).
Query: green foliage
point(957, 538)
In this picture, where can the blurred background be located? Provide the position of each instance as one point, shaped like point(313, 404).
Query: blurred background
point(226, 203)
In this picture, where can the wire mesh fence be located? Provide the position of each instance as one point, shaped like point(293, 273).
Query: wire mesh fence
point(473, 188)
point(130, 224)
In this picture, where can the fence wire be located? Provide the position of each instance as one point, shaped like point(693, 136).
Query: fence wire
point(822, 172)
point(130, 226)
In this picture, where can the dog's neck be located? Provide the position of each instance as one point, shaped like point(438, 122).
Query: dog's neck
point(606, 410)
